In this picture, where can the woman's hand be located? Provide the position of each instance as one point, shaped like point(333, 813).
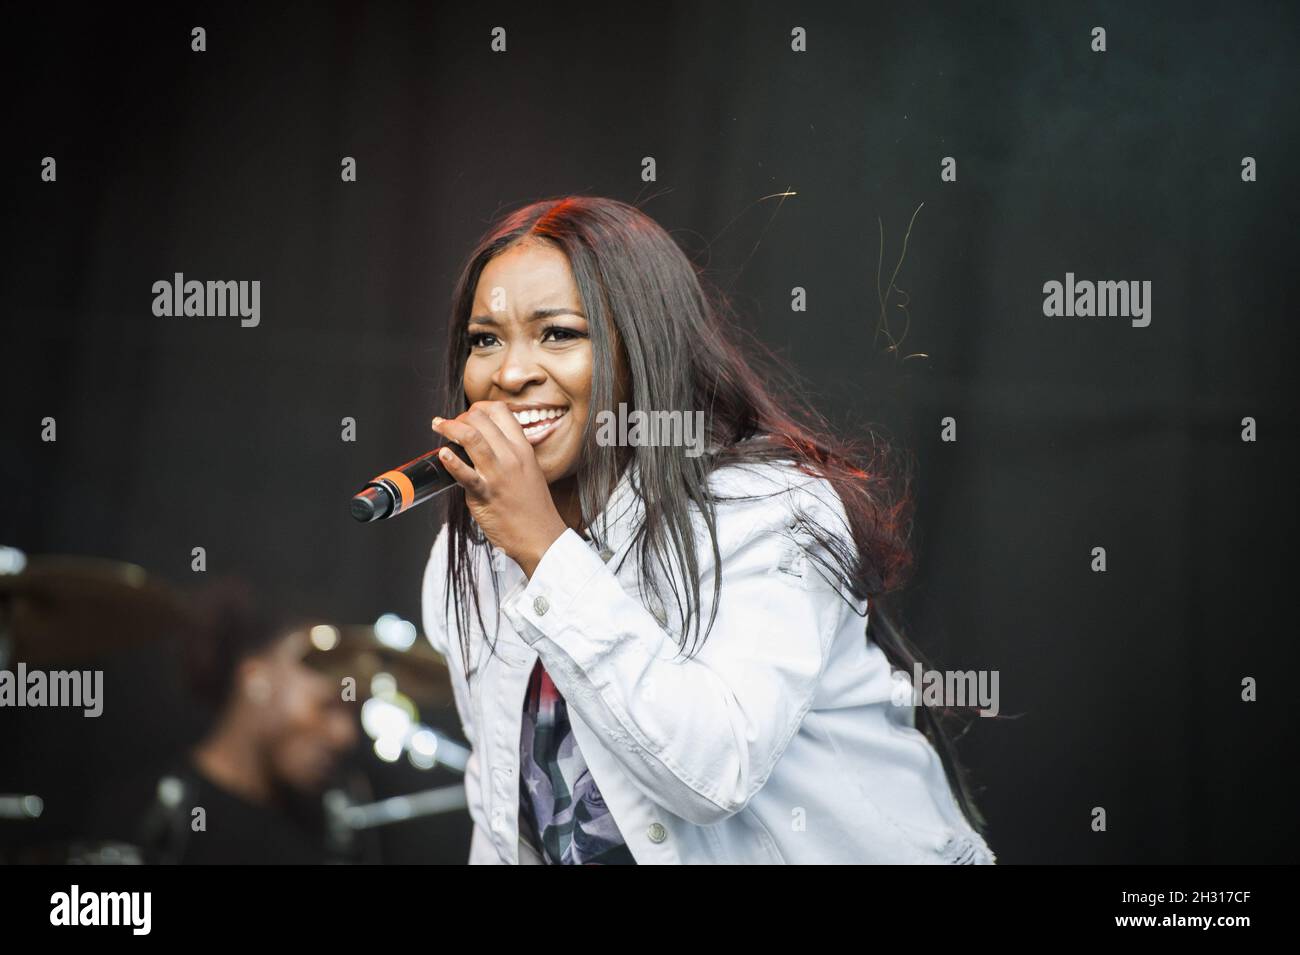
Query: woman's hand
point(505, 490)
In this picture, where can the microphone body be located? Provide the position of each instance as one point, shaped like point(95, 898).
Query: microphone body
point(402, 488)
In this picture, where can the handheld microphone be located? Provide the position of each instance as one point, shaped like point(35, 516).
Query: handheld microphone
point(400, 489)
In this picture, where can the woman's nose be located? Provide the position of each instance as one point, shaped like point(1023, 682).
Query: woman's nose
point(518, 367)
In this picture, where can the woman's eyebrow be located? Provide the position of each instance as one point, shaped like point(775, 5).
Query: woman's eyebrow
point(537, 316)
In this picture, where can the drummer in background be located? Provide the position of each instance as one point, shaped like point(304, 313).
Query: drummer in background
point(279, 730)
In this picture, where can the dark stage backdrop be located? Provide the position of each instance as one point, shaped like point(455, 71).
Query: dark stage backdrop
point(1071, 433)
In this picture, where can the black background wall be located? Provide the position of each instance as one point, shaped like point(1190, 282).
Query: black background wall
point(1072, 433)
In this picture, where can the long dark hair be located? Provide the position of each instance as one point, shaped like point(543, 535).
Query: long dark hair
point(684, 351)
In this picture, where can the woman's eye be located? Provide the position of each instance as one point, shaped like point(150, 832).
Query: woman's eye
point(476, 340)
point(568, 334)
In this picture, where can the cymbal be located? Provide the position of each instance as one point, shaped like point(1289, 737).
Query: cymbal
point(63, 609)
point(356, 651)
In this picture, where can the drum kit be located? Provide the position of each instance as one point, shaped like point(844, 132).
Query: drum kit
point(58, 611)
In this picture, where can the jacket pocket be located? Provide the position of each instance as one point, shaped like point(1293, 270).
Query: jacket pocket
point(961, 844)
point(917, 843)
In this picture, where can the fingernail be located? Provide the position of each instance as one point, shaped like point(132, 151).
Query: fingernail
point(436, 422)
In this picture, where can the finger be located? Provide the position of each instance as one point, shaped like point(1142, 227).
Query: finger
point(469, 437)
point(481, 418)
point(510, 427)
point(465, 475)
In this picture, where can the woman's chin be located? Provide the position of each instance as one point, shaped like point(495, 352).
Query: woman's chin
point(555, 475)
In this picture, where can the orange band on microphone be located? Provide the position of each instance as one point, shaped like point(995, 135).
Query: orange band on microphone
point(403, 484)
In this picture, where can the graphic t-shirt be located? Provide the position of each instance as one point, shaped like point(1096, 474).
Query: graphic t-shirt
point(561, 812)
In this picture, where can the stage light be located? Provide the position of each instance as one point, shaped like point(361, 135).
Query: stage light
point(324, 637)
point(392, 631)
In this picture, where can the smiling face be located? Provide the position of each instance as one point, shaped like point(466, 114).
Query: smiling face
point(530, 346)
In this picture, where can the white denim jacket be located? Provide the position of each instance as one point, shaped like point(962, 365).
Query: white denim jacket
point(776, 743)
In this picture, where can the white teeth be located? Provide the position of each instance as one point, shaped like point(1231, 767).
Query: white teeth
point(535, 421)
point(535, 415)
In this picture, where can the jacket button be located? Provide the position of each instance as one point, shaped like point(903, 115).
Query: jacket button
point(657, 832)
point(540, 606)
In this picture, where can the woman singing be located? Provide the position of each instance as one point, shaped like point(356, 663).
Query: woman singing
point(658, 636)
